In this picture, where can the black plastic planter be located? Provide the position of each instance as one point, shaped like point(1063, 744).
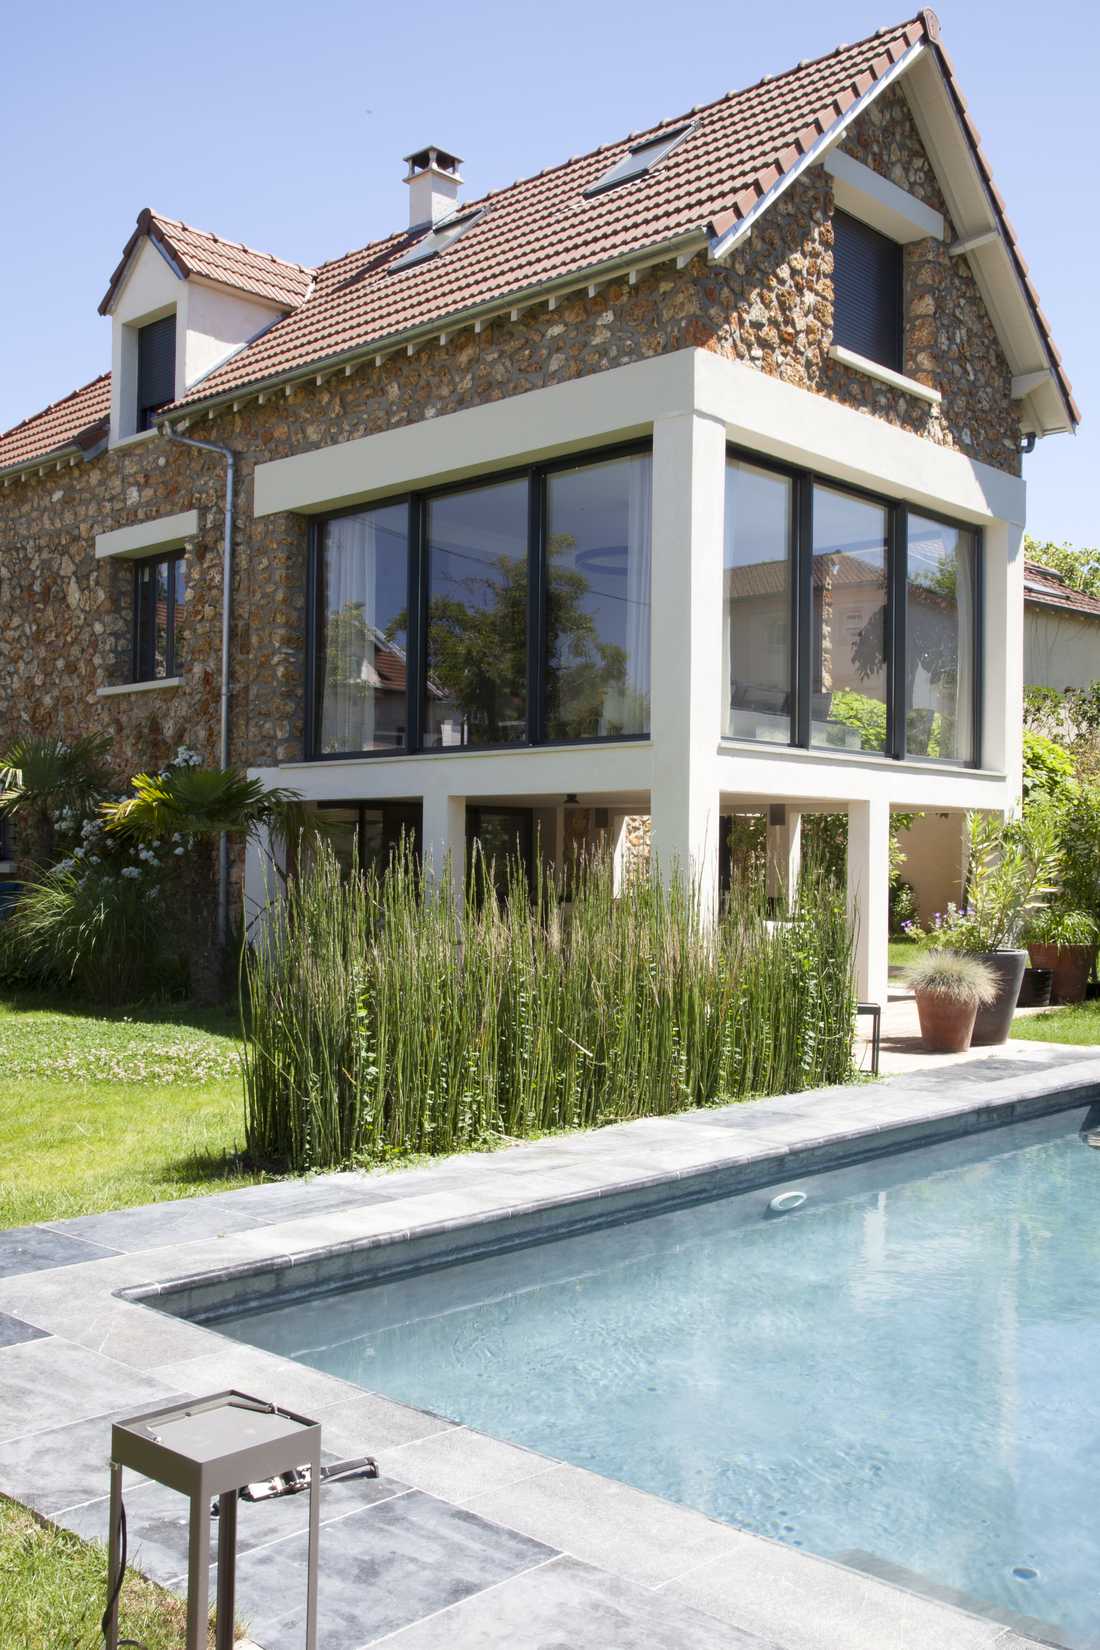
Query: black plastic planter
point(1036, 988)
point(993, 1021)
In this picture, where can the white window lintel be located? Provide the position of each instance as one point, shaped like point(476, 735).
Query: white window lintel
point(140, 687)
point(886, 375)
point(148, 538)
point(877, 201)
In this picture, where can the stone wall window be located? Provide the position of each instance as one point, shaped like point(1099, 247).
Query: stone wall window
point(756, 625)
point(514, 610)
point(160, 617)
point(867, 288)
point(851, 623)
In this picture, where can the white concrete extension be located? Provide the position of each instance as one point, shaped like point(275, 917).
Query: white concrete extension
point(685, 774)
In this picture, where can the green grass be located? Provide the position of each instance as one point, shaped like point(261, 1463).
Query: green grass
point(1075, 1023)
point(102, 1111)
point(53, 1589)
point(902, 952)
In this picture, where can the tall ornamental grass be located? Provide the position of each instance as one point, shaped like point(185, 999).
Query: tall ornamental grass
point(382, 1018)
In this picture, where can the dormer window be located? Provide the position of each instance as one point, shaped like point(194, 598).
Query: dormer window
point(156, 374)
point(639, 160)
point(867, 286)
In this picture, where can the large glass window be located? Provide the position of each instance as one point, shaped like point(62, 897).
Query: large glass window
point(363, 597)
point(476, 691)
point(848, 628)
point(940, 597)
point(756, 632)
point(160, 612)
point(598, 598)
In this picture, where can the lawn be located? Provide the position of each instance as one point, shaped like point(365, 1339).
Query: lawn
point(53, 1589)
point(102, 1111)
point(1075, 1023)
point(902, 952)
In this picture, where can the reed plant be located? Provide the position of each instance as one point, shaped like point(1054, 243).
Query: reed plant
point(384, 1016)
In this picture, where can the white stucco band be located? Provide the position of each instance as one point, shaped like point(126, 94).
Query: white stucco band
point(692, 404)
point(145, 538)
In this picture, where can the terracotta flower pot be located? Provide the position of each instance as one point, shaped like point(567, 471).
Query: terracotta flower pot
point(1070, 966)
point(992, 1022)
point(946, 1023)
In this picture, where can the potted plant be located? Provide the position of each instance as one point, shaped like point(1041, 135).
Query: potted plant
point(1013, 871)
point(1065, 941)
point(950, 987)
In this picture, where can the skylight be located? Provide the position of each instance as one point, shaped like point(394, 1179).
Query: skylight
point(437, 240)
point(639, 160)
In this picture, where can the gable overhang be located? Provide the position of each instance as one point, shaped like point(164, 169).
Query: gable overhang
point(145, 230)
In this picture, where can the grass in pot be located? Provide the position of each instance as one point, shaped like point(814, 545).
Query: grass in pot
point(950, 988)
point(1064, 940)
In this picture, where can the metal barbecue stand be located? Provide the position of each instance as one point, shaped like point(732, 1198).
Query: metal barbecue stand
point(205, 1448)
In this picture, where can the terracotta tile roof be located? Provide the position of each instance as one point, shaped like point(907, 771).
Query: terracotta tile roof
point(1042, 588)
point(81, 414)
point(544, 228)
point(199, 252)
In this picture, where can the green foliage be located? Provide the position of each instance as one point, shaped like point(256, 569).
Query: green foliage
point(1060, 924)
point(954, 975)
point(1079, 568)
point(195, 801)
point(50, 784)
point(1014, 870)
point(867, 716)
point(383, 1019)
point(1043, 708)
point(1047, 765)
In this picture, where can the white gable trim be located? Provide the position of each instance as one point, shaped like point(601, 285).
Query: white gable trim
point(875, 200)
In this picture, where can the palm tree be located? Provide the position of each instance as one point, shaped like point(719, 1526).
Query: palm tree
point(43, 777)
point(200, 804)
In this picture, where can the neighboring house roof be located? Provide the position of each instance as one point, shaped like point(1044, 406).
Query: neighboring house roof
point(199, 252)
point(1044, 588)
point(78, 421)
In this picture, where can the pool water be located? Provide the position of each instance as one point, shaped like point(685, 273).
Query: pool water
point(902, 1373)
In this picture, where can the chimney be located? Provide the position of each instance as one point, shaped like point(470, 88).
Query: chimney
point(434, 182)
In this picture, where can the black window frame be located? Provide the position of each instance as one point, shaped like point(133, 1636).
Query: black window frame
point(148, 407)
point(143, 634)
point(889, 287)
point(800, 552)
point(417, 641)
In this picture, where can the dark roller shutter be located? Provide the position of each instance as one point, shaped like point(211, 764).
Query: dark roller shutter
point(156, 368)
point(867, 284)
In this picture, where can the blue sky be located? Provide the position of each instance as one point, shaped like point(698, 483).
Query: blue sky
point(284, 126)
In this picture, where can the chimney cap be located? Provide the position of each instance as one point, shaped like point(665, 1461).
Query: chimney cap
point(433, 158)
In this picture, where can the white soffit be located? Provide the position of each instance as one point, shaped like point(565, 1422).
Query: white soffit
point(877, 201)
point(146, 538)
point(973, 213)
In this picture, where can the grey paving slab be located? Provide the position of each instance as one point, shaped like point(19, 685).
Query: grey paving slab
point(38, 1249)
point(155, 1224)
point(564, 1604)
point(49, 1382)
point(130, 1334)
point(460, 1464)
point(67, 1465)
point(370, 1423)
point(157, 1521)
point(610, 1524)
point(382, 1568)
point(807, 1603)
point(261, 1374)
point(13, 1331)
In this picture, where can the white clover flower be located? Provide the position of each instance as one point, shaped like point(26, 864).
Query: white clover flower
point(179, 852)
point(131, 870)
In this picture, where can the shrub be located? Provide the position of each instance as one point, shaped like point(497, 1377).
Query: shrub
point(948, 974)
point(1060, 924)
point(382, 1019)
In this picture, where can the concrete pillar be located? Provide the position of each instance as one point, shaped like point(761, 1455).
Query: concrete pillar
point(1002, 710)
point(689, 492)
point(784, 853)
point(444, 838)
point(264, 878)
point(869, 895)
point(620, 847)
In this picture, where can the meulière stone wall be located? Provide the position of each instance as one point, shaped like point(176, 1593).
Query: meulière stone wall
point(65, 619)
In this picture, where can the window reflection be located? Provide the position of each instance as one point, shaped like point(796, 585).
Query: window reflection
point(477, 617)
point(598, 599)
point(757, 610)
point(939, 710)
point(363, 600)
point(848, 633)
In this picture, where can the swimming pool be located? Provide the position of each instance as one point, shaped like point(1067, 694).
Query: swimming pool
point(902, 1372)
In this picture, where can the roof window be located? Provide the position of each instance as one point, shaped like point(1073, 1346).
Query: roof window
point(436, 240)
point(639, 160)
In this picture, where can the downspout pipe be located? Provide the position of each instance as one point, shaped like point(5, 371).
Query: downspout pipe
point(227, 603)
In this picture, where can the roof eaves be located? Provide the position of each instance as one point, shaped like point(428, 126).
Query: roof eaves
point(694, 239)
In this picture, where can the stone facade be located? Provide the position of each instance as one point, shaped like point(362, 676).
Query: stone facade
point(65, 619)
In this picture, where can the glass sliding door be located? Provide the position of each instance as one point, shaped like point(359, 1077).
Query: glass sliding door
point(756, 613)
point(598, 599)
point(940, 630)
point(476, 688)
point(848, 629)
point(363, 612)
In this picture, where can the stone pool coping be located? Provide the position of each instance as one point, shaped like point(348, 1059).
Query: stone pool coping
point(465, 1540)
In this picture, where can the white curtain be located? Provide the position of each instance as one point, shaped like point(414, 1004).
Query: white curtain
point(349, 706)
point(639, 566)
point(964, 692)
